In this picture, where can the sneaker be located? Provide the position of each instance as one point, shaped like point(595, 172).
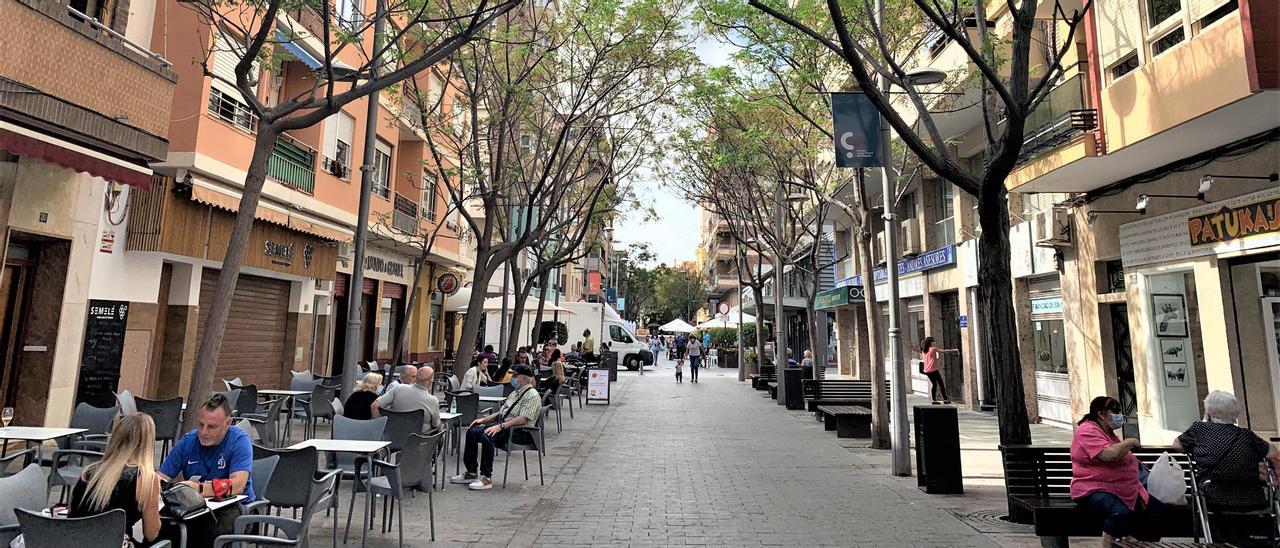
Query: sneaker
point(481, 484)
point(463, 479)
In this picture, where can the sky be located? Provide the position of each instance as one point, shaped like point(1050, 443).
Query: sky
point(674, 236)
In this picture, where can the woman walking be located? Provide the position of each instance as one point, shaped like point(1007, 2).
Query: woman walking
point(930, 366)
point(694, 348)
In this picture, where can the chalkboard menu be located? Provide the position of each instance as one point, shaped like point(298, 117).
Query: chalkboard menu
point(103, 349)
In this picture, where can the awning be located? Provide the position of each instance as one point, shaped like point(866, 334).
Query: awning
point(24, 142)
point(203, 192)
point(298, 51)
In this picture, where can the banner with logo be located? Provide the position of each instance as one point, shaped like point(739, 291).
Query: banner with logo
point(857, 130)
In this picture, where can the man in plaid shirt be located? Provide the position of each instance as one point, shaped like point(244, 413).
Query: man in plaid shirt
point(492, 431)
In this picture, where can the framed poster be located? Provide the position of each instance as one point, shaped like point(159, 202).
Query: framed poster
point(1175, 375)
point(1170, 314)
point(1173, 351)
point(598, 385)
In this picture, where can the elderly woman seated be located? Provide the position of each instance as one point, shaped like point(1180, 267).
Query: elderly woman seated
point(1104, 476)
point(1227, 460)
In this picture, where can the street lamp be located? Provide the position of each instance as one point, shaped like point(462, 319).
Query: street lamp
point(779, 330)
point(901, 448)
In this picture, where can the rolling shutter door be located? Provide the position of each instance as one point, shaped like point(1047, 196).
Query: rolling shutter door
point(392, 290)
point(253, 345)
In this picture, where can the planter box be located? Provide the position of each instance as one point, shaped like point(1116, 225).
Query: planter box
point(729, 359)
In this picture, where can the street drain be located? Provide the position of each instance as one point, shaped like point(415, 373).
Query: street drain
point(990, 521)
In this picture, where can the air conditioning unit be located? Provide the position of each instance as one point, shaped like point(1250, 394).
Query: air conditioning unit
point(1052, 228)
point(910, 238)
point(344, 253)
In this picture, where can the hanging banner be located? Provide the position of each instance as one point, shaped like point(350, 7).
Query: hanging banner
point(598, 385)
point(857, 129)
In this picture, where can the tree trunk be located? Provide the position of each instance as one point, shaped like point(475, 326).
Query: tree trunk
point(811, 318)
point(523, 288)
point(758, 292)
point(542, 307)
point(995, 302)
point(408, 311)
point(206, 364)
point(879, 396)
point(480, 277)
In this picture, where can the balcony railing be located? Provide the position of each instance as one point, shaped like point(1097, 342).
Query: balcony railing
point(232, 110)
point(404, 215)
point(293, 164)
point(1058, 119)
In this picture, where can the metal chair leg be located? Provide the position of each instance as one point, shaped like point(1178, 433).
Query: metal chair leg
point(505, 468)
point(541, 475)
point(431, 511)
point(524, 457)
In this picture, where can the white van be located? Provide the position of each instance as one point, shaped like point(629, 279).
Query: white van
point(606, 327)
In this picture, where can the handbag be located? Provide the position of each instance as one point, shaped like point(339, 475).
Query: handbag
point(181, 501)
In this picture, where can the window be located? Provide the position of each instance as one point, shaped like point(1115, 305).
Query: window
point(388, 322)
point(348, 14)
point(382, 169)
point(945, 228)
point(526, 145)
point(225, 99)
point(618, 335)
point(1160, 10)
point(1222, 11)
point(908, 206)
point(1051, 346)
point(338, 131)
point(429, 195)
point(1125, 66)
point(459, 116)
point(1167, 41)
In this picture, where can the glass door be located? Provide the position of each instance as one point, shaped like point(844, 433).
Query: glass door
point(1271, 322)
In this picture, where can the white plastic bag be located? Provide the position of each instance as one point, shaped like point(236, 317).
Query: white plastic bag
point(1167, 481)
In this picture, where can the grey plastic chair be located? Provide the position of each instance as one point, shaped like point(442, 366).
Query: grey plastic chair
point(267, 424)
point(261, 474)
point(295, 485)
point(400, 424)
point(105, 530)
point(247, 402)
point(319, 406)
point(231, 384)
point(6, 462)
point(494, 391)
point(233, 397)
point(66, 466)
point(537, 443)
point(167, 414)
point(354, 429)
point(26, 489)
point(413, 470)
point(126, 403)
point(96, 421)
point(268, 531)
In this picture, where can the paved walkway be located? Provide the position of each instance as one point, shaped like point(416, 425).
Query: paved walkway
point(716, 463)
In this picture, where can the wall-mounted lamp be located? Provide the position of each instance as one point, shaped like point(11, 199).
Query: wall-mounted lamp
point(1209, 178)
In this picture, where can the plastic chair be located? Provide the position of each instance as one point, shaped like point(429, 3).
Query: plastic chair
point(167, 414)
point(126, 403)
point(27, 456)
point(65, 468)
point(247, 402)
point(27, 490)
point(233, 398)
point(228, 383)
point(413, 470)
point(267, 424)
point(105, 530)
point(494, 391)
point(97, 422)
point(401, 424)
point(282, 531)
point(260, 475)
point(319, 406)
point(295, 485)
point(537, 443)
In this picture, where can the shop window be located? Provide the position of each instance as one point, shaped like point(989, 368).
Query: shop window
point(1051, 346)
point(387, 326)
point(1172, 363)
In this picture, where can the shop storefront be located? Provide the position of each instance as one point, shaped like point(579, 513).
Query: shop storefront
point(1204, 291)
point(1048, 334)
point(384, 296)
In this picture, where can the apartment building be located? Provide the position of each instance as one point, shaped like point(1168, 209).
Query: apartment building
point(84, 111)
point(290, 305)
point(719, 257)
point(1168, 246)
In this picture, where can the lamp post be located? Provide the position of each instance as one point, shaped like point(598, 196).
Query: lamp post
point(779, 332)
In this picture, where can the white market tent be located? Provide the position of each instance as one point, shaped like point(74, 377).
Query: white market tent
point(730, 320)
point(676, 326)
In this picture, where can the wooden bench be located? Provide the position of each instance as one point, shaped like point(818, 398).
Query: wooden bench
point(837, 392)
point(1037, 480)
point(767, 374)
point(772, 387)
point(848, 421)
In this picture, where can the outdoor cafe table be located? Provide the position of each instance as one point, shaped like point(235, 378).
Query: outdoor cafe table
point(289, 396)
point(211, 505)
point(359, 447)
point(34, 434)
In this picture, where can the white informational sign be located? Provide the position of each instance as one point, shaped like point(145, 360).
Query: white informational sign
point(598, 386)
point(1248, 221)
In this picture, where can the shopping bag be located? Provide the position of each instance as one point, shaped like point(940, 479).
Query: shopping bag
point(1166, 481)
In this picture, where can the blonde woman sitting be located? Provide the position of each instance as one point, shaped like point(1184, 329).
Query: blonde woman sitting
point(124, 479)
point(359, 404)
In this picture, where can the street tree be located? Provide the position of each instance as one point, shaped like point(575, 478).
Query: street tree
point(557, 104)
point(1014, 79)
point(361, 55)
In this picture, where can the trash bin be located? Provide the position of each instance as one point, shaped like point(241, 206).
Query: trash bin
point(938, 450)
point(794, 393)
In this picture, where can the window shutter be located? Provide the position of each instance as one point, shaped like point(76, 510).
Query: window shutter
point(346, 127)
point(330, 146)
point(226, 55)
point(1119, 29)
point(1197, 9)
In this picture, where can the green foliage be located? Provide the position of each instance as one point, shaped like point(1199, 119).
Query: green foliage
point(559, 328)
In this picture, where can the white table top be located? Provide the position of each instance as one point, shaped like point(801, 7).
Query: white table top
point(342, 446)
point(447, 416)
point(36, 433)
point(493, 398)
point(273, 392)
point(217, 505)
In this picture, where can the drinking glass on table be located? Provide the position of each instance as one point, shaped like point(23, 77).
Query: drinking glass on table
point(7, 416)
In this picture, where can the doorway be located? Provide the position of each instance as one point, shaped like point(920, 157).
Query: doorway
point(13, 294)
point(953, 362)
point(1122, 355)
point(1256, 279)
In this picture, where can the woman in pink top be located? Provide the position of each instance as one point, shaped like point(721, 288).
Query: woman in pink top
point(1104, 476)
point(929, 365)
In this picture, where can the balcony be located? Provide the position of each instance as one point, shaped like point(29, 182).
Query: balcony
point(293, 164)
point(1060, 118)
point(404, 215)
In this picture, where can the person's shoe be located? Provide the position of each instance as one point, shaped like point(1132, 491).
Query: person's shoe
point(936, 402)
point(481, 484)
point(946, 402)
point(463, 479)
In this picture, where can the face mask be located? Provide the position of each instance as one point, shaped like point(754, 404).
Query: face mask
point(1118, 420)
point(514, 384)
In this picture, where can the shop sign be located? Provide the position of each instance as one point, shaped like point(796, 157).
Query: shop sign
point(1051, 305)
point(1210, 229)
point(840, 296)
point(598, 385)
point(448, 284)
point(937, 258)
point(102, 352)
point(281, 254)
point(380, 265)
point(1233, 223)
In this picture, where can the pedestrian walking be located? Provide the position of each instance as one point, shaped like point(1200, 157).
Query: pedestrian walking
point(679, 370)
point(931, 367)
point(694, 348)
